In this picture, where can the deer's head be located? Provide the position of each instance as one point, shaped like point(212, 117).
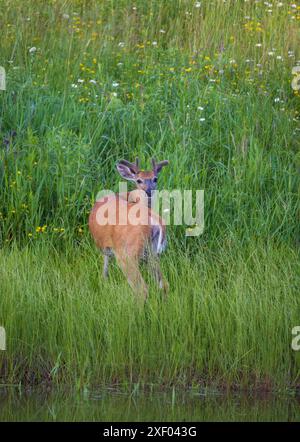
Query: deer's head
point(144, 180)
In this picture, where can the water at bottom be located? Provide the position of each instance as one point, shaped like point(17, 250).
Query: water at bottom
point(113, 405)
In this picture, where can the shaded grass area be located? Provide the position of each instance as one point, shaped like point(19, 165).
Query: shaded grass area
point(227, 321)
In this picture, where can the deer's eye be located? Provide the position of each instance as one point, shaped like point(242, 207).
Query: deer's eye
point(139, 181)
point(155, 179)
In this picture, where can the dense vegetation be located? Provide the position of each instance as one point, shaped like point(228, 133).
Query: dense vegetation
point(206, 85)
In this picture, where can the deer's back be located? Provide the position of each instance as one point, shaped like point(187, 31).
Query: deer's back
point(122, 235)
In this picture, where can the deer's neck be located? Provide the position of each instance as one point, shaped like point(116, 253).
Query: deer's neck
point(137, 195)
point(150, 201)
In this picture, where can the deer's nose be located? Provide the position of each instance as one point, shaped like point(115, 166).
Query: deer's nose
point(149, 187)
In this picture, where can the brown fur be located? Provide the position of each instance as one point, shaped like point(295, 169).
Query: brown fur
point(127, 241)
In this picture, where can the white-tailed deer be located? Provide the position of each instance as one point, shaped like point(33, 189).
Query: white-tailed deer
point(133, 231)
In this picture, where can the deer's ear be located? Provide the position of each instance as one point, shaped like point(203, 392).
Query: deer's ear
point(160, 165)
point(125, 171)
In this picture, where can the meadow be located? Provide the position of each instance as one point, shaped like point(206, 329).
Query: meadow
point(206, 85)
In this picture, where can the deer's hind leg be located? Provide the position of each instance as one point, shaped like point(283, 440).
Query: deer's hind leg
point(107, 252)
point(152, 258)
point(105, 266)
point(156, 272)
point(130, 267)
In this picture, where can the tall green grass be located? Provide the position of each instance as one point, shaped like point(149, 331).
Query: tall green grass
point(227, 321)
point(208, 88)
